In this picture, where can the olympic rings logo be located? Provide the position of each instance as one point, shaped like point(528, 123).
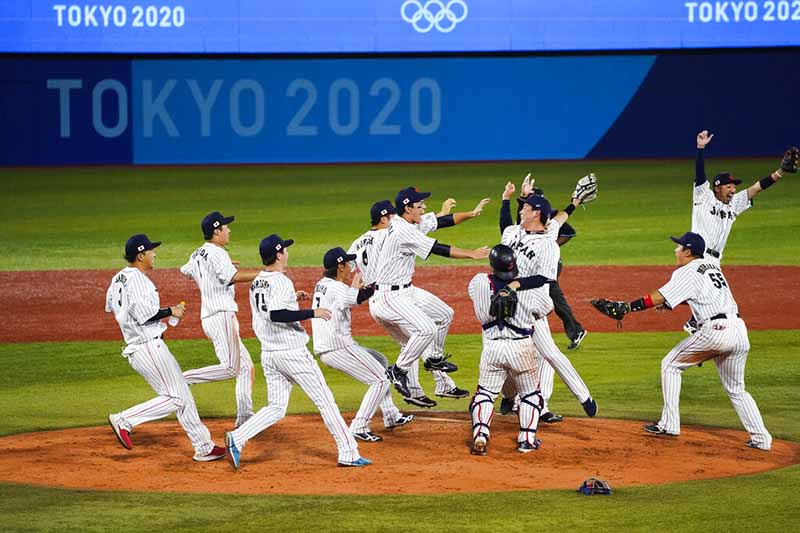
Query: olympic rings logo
point(434, 14)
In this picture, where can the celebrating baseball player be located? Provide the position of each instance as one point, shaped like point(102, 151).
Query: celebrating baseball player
point(335, 346)
point(215, 274)
point(418, 315)
point(721, 335)
point(134, 300)
point(534, 243)
point(285, 357)
point(508, 351)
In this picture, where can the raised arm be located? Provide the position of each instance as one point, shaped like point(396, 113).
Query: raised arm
point(703, 138)
point(790, 161)
point(505, 207)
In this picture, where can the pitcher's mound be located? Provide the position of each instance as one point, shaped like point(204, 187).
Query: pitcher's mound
point(430, 455)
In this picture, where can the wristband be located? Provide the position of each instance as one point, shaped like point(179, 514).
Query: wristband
point(645, 302)
point(569, 209)
point(767, 182)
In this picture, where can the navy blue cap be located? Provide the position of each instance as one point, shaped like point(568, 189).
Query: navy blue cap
point(336, 256)
point(270, 246)
point(539, 203)
point(213, 221)
point(381, 209)
point(536, 190)
point(137, 244)
point(409, 196)
point(693, 242)
point(725, 178)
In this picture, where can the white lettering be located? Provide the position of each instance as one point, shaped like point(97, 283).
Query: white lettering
point(105, 12)
point(74, 15)
point(64, 87)
point(152, 108)
point(258, 95)
point(205, 103)
point(691, 7)
point(720, 14)
point(737, 10)
point(120, 16)
point(88, 15)
point(60, 8)
point(122, 108)
point(705, 12)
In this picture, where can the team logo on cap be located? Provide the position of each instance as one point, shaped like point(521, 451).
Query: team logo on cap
point(384, 212)
point(405, 201)
point(140, 248)
point(278, 247)
point(339, 259)
point(216, 223)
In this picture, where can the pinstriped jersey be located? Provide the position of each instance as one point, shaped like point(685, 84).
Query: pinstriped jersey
point(272, 291)
point(713, 219)
point(480, 290)
point(428, 223)
point(335, 333)
point(702, 285)
point(536, 254)
point(366, 250)
point(403, 242)
point(133, 299)
point(212, 270)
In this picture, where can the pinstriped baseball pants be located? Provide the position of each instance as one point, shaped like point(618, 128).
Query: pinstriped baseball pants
point(281, 371)
point(726, 342)
point(154, 362)
point(223, 330)
point(552, 360)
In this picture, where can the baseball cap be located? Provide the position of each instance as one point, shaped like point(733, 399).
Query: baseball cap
point(137, 244)
point(271, 245)
point(409, 196)
point(335, 256)
point(539, 203)
point(692, 241)
point(213, 221)
point(725, 178)
point(536, 190)
point(381, 209)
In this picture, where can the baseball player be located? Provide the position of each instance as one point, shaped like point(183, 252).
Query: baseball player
point(406, 310)
point(508, 351)
point(215, 274)
point(335, 346)
point(721, 335)
point(134, 300)
point(534, 243)
point(715, 211)
point(285, 357)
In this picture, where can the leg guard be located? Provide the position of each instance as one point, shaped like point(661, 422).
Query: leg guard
point(530, 408)
point(482, 409)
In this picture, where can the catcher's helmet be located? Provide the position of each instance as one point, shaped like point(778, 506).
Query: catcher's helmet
point(503, 262)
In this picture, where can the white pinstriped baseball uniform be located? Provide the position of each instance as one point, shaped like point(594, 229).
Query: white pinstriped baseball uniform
point(713, 219)
point(133, 299)
point(335, 346)
point(721, 336)
point(212, 270)
point(507, 355)
point(286, 361)
point(538, 254)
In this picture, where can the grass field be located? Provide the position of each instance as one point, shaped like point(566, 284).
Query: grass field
point(79, 218)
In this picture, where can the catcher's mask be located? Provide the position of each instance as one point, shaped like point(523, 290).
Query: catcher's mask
point(503, 262)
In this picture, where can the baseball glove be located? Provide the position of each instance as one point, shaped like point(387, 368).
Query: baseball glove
point(586, 189)
point(612, 309)
point(790, 160)
point(504, 304)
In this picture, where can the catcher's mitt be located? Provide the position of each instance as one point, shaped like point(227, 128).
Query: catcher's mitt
point(791, 159)
point(586, 189)
point(612, 309)
point(504, 304)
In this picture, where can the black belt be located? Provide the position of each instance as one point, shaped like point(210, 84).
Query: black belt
point(713, 253)
point(509, 338)
point(521, 331)
point(393, 287)
point(722, 316)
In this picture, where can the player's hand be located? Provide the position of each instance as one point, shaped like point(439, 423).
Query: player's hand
point(357, 282)
point(509, 191)
point(324, 314)
point(527, 186)
point(236, 263)
point(178, 310)
point(480, 253)
point(479, 208)
point(447, 207)
point(302, 295)
point(703, 138)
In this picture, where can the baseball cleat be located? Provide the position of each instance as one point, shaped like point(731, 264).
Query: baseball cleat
point(455, 392)
point(367, 436)
point(402, 420)
point(479, 445)
point(358, 462)
point(216, 453)
point(439, 363)
point(574, 343)
point(420, 401)
point(123, 435)
point(551, 418)
point(234, 454)
point(399, 379)
point(751, 444)
point(655, 429)
point(590, 407)
point(527, 447)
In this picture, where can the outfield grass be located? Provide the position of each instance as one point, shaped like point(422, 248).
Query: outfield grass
point(76, 218)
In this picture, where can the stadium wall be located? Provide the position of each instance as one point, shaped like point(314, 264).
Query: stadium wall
point(56, 111)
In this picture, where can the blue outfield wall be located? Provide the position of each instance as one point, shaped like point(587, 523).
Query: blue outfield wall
point(162, 111)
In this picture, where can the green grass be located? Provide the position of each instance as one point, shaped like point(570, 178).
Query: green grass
point(77, 384)
point(76, 218)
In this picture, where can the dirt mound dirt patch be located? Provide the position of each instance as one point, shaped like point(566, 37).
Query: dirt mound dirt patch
point(72, 309)
point(298, 456)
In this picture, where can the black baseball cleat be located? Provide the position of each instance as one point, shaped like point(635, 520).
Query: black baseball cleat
point(574, 343)
point(655, 429)
point(455, 392)
point(527, 447)
point(590, 406)
point(440, 363)
point(551, 418)
point(506, 406)
point(399, 379)
point(420, 401)
point(479, 445)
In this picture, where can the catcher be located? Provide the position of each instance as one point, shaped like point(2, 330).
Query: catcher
point(721, 336)
point(508, 351)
